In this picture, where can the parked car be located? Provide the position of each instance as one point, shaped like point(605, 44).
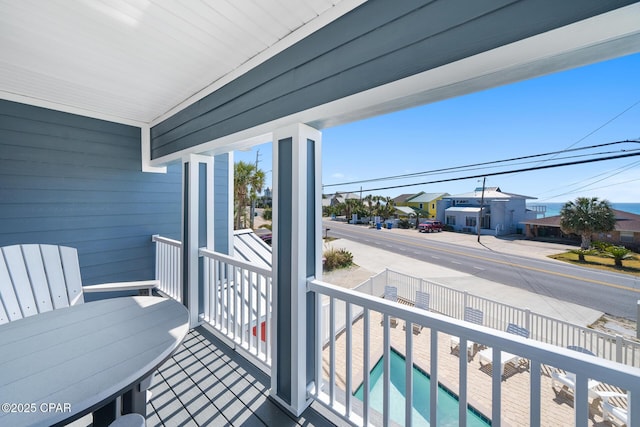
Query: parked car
point(430, 226)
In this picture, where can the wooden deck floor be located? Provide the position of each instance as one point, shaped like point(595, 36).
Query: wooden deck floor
point(207, 384)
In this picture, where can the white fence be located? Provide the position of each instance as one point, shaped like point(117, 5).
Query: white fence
point(452, 302)
point(237, 303)
point(345, 359)
point(168, 271)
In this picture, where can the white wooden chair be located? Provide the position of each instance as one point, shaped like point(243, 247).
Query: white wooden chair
point(506, 358)
point(421, 302)
point(391, 294)
point(39, 278)
point(471, 315)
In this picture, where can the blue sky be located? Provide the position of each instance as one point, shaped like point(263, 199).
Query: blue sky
point(580, 107)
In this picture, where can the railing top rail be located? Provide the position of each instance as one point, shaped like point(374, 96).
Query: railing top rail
point(207, 253)
point(593, 367)
point(158, 238)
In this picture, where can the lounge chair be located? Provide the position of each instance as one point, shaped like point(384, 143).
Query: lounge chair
point(391, 294)
point(471, 315)
point(612, 412)
point(506, 358)
point(567, 380)
point(422, 302)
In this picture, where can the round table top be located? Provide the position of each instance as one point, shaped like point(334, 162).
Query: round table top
point(63, 364)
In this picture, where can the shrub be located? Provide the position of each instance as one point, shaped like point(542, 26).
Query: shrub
point(619, 253)
point(601, 246)
point(267, 214)
point(404, 223)
point(337, 258)
point(581, 253)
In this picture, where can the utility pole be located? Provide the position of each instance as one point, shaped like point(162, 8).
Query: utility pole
point(479, 225)
point(252, 212)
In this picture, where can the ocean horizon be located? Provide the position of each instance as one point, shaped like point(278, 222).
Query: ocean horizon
point(553, 208)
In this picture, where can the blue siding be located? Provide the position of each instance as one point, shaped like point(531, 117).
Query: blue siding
point(221, 221)
point(283, 279)
point(76, 181)
point(377, 43)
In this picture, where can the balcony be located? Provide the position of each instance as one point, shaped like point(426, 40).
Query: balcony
point(238, 298)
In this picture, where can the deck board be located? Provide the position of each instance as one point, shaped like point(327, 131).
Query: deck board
point(206, 383)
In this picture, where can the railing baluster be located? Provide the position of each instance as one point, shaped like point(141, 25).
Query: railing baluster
point(348, 358)
point(332, 350)
point(433, 386)
point(386, 375)
point(408, 373)
point(258, 318)
point(535, 388)
point(367, 368)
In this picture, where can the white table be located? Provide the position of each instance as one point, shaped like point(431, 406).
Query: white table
point(58, 366)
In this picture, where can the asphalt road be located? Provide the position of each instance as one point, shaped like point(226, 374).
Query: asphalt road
point(612, 293)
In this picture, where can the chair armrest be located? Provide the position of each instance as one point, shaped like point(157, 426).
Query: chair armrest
point(122, 286)
point(606, 395)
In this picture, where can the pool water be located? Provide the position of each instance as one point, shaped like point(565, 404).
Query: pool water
point(447, 402)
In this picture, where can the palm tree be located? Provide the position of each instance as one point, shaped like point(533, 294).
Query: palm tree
point(619, 253)
point(586, 216)
point(247, 183)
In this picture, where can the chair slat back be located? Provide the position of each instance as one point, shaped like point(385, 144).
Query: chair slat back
point(473, 315)
point(8, 300)
point(422, 300)
point(518, 330)
point(36, 279)
point(391, 293)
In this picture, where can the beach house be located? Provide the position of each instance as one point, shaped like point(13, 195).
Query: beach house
point(493, 210)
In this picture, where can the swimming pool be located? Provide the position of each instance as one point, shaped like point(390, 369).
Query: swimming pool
point(447, 401)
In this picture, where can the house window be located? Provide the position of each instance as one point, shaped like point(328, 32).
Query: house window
point(470, 221)
point(626, 236)
point(451, 220)
point(420, 206)
point(433, 205)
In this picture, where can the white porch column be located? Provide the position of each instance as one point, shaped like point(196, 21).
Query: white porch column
point(297, 255)
point(197, 228)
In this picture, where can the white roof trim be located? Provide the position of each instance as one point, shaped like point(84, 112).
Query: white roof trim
point(462, 209)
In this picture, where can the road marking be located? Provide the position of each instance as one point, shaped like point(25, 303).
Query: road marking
point(507, 263)
point(435, 257)
point(456, 262)
point(478, 268)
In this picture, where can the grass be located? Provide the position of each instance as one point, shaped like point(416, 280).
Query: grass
point(629, 266)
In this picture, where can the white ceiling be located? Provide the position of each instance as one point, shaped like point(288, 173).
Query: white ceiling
point(133, 61)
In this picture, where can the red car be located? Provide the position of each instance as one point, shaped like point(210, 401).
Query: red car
point(430, 226)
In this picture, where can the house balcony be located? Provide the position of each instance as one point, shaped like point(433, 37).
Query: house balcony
point(222, 371)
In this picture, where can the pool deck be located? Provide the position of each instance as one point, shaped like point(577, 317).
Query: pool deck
point(557, 407)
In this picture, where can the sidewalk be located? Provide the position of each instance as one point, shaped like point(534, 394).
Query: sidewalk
point(368, 261)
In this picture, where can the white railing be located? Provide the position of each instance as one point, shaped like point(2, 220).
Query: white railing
point(168, 270)
point(237, 303)
point(355, 358)
point(452, 302)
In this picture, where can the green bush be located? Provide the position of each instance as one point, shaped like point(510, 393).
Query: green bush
point(619, 253)
point(267, 214)
point(601, 246)
point(337, 258)
point(404, 223)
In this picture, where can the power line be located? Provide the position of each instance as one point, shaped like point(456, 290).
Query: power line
point(467, 167)
point(557, 165)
